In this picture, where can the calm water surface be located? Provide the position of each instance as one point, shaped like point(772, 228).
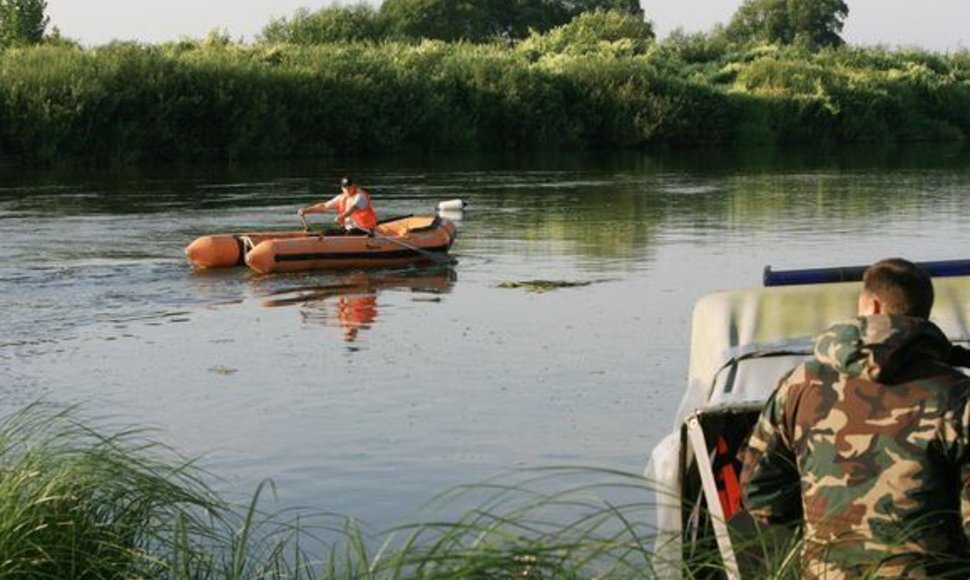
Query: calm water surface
point(368, 393)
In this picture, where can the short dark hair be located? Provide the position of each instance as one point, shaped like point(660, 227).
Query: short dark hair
point(347, 182)
point(902, 287)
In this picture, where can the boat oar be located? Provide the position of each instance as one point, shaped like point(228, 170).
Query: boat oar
point(306, 225)
point(436, 258)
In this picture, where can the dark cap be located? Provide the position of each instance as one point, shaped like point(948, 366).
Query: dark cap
point(346, 182)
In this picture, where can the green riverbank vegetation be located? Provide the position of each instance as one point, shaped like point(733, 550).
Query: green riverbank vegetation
point(360, 80)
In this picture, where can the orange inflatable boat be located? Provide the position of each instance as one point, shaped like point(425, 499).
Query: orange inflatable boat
point(395, 242)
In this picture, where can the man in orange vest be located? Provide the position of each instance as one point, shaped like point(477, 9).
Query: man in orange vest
point(353, 207)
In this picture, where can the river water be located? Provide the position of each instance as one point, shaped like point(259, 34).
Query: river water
point(441, 376)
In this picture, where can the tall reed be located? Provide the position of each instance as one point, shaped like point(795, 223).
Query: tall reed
point(78, 503)
point(74, 503)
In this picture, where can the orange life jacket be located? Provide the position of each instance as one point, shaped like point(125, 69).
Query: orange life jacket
point(726, 478)
point(363, 218)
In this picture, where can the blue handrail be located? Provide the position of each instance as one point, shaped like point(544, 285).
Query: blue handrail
point(936, 269)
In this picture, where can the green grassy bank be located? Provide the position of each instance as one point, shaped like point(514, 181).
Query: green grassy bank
point(218, 100)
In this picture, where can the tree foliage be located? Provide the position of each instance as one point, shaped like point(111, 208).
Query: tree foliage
point(812, 24)
point(447, 20)
point(483, 20)
point(576, 7)
point(358, 22)
point(22, 22)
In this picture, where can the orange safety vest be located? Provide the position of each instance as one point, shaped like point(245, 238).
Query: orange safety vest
point(364, 218)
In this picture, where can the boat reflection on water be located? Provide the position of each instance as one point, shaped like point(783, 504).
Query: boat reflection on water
point(350, 300)
point(356, 312)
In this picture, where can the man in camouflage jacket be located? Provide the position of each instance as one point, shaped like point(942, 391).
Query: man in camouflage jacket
point(867, 446)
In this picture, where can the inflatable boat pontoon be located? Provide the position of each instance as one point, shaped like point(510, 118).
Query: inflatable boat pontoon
point(395, 242)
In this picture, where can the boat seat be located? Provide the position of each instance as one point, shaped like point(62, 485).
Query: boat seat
point(335, 232)
point(395, 218)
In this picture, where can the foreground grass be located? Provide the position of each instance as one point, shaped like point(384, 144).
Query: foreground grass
point(84, 502)
point(78, 503)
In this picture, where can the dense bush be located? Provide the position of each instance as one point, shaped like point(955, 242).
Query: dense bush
point(857, 95)
point(609, 86)
point(612, 32)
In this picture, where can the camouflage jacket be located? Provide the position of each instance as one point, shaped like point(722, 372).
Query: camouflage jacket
point(868, 446)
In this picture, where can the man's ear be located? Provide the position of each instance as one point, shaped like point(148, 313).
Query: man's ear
point(869, 305)
point(876, 305)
